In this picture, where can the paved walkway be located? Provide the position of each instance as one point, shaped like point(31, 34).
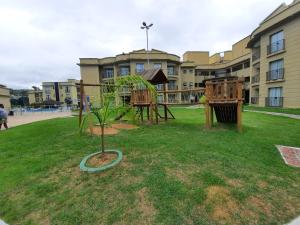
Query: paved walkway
point(26, 118)
point(293, 116)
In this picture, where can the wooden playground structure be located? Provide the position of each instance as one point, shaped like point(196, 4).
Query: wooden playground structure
point(141, 98)
point(224, 97)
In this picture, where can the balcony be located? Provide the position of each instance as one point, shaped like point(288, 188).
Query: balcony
point(255, 56)
point(274, 101)
point(172, 72)
point(255, 79)
point(276, 47)
point(274, 75)
point(254, 100)
point(172, 87)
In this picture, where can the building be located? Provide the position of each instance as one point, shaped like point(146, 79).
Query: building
point(267, 60)
point(35, 96)
point(275, 61)
point(61, 92)
point(5, 97)
point(95, 70)
point(198, 66)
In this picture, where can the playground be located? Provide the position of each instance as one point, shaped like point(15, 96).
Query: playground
point(174, 172)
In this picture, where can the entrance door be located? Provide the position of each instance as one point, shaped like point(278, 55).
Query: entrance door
point(275, 95)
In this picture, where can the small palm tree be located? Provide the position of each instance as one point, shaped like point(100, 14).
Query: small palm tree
point(108, 109)
point(104, 114)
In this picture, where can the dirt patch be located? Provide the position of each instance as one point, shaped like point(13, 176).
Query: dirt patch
point(262, 184)
point(107, 131)
point(235, 182)
point(261, 205)
point(101, 159)
point(223, 204)
point(146, 207)
point(179, 174)
point(124, 126)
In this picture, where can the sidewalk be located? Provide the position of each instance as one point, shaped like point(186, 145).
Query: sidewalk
point(26, 118)
point(293, 116)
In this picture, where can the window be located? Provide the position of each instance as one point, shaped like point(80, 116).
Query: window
point(124, 71)
point(191, 84)
point(67, 89)
point(171, 70)
point(108, 73)
point(238, 67)
point(48, 97)
point(274, 98)
point(191, 71)
point(157, 65)
point(47, 90)
point(196, 84)
point(276, 42)
point(204, 73)
point(184, 71)
point(276, 70)
point(247, 64)
point(139, 67)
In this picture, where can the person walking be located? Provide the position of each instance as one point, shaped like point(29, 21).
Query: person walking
point(3, 117)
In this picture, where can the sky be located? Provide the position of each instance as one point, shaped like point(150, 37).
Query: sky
point(43, 40)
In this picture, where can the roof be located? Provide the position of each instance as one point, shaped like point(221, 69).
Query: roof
point(155, 76)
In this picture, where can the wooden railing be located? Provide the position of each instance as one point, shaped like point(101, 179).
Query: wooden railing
point(140, 97)
point(223, 90)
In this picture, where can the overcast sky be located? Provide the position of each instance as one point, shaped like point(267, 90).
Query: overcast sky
point(42, 40)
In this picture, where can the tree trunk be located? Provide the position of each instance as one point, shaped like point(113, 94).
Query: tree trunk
point(102, 138)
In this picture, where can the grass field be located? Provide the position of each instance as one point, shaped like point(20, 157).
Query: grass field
point(173, 173)
point(295, 111)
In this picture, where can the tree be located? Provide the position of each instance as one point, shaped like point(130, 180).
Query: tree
point(108, 108)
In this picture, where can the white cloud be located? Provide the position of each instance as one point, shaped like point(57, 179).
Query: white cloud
point(42, 40)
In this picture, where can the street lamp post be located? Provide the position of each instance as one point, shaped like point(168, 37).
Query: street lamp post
point(145, 26)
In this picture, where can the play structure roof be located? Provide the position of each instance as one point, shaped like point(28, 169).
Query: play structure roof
point(155, 76)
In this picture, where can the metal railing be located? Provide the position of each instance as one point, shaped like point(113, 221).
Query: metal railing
point(172, 87)
point(275, 74)
point(255, 79)
point(276, 46)
point(254, 100)
point(274, 101)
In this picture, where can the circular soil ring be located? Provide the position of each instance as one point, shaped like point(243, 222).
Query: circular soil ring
point(85, 167)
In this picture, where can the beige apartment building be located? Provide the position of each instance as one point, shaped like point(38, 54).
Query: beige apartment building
point(64, 92)
point(35, 96)
point(106, 70)
point(268, 60)
point(275, 61)
point(5, 97)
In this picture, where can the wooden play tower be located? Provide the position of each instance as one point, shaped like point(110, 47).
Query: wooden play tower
point(143, 99)
point(224, 97)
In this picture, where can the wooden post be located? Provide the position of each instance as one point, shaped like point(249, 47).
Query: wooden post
point(148, 116)
point(239, 106)
point(165, 102)
point(87, 107)
point(142, 112)
point(156, 113)
point(151, 112)
point(81, 102)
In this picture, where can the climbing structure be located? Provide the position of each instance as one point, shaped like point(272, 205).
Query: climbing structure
point(224, 97)
point(142, 98)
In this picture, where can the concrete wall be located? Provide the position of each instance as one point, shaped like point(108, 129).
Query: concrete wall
point(197, 57)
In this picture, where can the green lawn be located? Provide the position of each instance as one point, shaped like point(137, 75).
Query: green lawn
point(173, 173)
point(295, 111)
